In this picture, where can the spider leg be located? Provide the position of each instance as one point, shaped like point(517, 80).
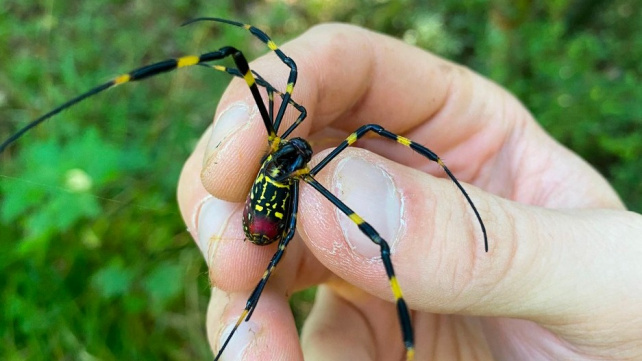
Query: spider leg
point(263, 37)
point(271, 90)
point(370, 232)
point(156, 69)
point(410, 144)
point(253, 300)
point(303, 113)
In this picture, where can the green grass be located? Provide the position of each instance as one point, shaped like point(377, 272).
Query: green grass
point(107, 271)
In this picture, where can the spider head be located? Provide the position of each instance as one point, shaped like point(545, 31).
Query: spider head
point(292, 155)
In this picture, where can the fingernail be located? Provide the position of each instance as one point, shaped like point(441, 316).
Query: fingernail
point(226, 124)
point(243, 337)
point(212, 219)
point(370, 192)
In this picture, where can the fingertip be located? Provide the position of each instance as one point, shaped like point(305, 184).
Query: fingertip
point(270, 334)
point(232, 156)
point(226, 123)
point(190, 192)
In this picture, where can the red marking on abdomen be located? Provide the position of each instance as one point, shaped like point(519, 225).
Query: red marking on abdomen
point(265, 227)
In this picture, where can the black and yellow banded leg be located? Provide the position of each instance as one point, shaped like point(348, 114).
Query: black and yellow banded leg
point(271, 90)
point(263, 37)
point(303, 113)
point(410, 144)
point(370, 232)
point(259, 80)
point(270, 93)
point(253, 300)
point(156, 69)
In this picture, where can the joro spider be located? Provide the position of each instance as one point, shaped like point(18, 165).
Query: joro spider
point(271, 207)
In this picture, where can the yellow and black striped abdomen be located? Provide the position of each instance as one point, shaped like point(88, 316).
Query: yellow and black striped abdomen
point(267, 209)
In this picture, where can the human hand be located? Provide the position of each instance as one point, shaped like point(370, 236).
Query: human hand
point(561, 279)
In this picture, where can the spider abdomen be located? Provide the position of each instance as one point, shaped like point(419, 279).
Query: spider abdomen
point(267, 209)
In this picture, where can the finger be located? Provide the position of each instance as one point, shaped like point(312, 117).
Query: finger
point(544, 265)
point(348, 324)
point(335, 331)
point(190, 192)
point(349, 76)
point(333, 80)
point(356, 327)
point(266, 336)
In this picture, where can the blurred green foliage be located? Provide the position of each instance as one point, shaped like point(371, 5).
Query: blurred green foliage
point(95, 260)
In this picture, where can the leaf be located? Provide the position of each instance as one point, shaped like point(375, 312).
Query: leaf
point(164, 283)
point(112, 281)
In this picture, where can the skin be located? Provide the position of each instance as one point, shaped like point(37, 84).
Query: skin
point(561, 279)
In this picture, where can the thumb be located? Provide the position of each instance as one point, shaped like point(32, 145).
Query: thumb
point(543, 264)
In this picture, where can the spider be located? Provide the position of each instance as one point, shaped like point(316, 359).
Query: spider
point(270, 212)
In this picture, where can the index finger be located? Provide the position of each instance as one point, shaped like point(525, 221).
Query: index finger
point(348, 77)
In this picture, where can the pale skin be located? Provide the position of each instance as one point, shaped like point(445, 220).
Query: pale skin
point(561, 280)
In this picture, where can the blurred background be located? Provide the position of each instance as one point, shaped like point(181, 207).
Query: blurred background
point(95, 260)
